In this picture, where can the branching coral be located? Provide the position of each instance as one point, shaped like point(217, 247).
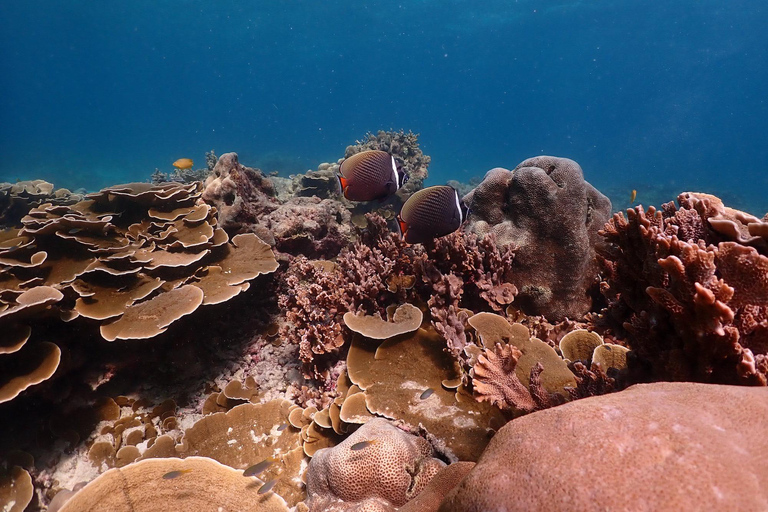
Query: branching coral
point(457, 271)
point(692, 303)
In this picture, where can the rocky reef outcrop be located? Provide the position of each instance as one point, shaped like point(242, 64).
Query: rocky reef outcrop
point(551, 216)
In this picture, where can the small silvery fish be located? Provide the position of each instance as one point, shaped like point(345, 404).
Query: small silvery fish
point(426, 394)
point(282, 427)
point(174, 474)
point(430, 213)
point(260, 467)
point(362, 444)
point(370, 175)
point(264, 489)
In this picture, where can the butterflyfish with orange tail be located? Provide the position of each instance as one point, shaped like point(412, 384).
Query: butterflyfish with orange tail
point(183, 163)
point(430, 213)
point(370, 175)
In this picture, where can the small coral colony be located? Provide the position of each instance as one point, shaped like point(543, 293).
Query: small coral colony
point(347, 339)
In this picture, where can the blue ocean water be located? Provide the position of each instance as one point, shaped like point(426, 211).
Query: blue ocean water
point(659, 97)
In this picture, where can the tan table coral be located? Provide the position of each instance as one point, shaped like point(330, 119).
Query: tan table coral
point(661, 447)
point(145, 487)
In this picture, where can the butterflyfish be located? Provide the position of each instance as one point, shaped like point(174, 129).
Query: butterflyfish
point(174, 474)
point(183, 163)
point(430, 213)
point(370, 175)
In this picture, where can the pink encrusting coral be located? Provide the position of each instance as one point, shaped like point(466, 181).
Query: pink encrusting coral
point(691, 301)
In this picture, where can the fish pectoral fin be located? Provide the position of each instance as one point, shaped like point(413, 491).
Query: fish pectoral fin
point(403, 226)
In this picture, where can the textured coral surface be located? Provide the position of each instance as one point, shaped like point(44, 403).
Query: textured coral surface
point(551, 216)
point(663, 446)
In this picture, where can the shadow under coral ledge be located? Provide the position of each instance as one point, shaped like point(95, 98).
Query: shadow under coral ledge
point(261, 343)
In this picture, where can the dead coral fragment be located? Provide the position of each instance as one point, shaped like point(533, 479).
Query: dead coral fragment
point(407, 318)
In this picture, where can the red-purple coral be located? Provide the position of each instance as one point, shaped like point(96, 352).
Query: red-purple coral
point(691, 304)
point(458, 271)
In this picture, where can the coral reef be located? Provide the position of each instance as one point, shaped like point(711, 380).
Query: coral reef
point(242, 195)
point(200, 483)
point(664, 446)
point(686, 293)
point(16, 199)
point(133, 259)
point(387, 472)
point(551, 215)
point(246, 201)
point(457, 271)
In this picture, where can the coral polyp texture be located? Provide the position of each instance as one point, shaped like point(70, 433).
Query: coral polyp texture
point(688, 289)
point(662, 446)
point(131, 259)
point(379, 467)
point(551, 216)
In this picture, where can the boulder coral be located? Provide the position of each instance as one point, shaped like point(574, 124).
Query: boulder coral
point(687, 289)
point(663, 446)
point(551, 216)
point(378, 467)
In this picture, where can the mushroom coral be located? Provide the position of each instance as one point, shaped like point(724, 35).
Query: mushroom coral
point(201, 484)
point(688, 291)
point(131, 258)
point(551, 215)
point(662, 446)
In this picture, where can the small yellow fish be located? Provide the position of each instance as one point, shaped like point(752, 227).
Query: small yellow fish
point(427, 393)
point(183, 163)
point(173, 474)
point(362, 444)
point(260, 467)
point(633, 196)
point(264, 489)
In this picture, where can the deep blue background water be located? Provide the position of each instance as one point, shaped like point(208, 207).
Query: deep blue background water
point(655, 96)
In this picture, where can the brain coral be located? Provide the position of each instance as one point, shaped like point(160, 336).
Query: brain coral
point(551, 215)
point(663, 446)
point(389, 470)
